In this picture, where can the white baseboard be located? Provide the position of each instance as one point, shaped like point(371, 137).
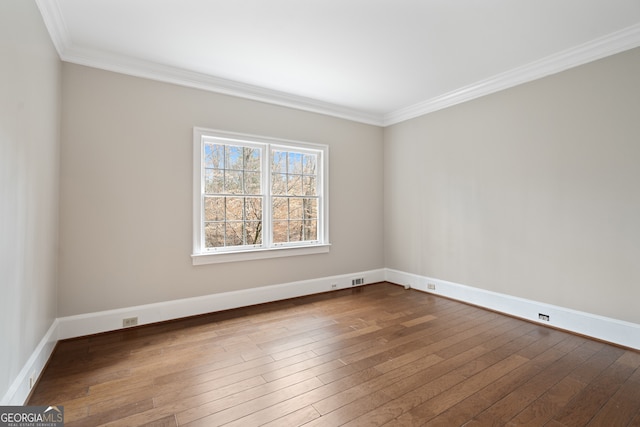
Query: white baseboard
point(110, 320)
point(615, 331)
point(603, 328)
point(19, 390)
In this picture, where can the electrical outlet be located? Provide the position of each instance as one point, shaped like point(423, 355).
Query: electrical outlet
point(544, 317)
point(431, 286)
point(334, 286)
point(129, 321)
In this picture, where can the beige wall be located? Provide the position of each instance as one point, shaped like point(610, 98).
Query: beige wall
point(126, 192)
point(29, 150)
point(532, 192)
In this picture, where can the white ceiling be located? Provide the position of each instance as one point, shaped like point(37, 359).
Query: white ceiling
point(374, 61)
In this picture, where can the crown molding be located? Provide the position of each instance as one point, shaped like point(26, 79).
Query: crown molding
point(619, 41)
point(168, 74)
point(616, 42)
point(54, 21)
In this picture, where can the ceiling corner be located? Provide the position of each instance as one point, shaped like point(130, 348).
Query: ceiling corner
point(54, 21)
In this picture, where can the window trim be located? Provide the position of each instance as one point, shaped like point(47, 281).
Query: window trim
point(200, 256)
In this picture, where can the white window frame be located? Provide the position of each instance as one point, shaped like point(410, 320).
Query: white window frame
point(201, 255)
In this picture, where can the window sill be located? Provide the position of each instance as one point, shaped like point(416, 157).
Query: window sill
point(216, 258)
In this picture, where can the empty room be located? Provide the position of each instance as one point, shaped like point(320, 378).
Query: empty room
point(320, 213)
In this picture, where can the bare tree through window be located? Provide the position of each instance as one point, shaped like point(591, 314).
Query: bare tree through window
point(233, 195)
point(255, 193)
point(294, 196)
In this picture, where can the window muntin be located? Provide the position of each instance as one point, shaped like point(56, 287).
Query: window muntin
point(255, 194)
point(233, 195)
point(294, 195)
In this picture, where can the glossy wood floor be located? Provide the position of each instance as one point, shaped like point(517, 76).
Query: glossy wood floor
point(375, 355)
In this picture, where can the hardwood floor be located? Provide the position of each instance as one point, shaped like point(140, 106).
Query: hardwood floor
point(373, 355)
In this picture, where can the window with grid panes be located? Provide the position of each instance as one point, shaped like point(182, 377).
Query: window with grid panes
point(294, 196)
point(233, 195)
point(257, 197)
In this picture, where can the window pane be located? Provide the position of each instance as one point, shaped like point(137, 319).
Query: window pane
point(310, 208)
point(295, 208)
point(214, 181)
point(252, 182)
point(233, 182)
point(214, 235)
point(253, 208)
point(280, 208)
point(309, 186)
point(309, 163)
point(278, 184)
point(214, 156)
point(294, 185)
point(295, 231)
point(208, 181)
point(280, 229)
point(234, 235)
point(279, 162)
point(253, 230)
point(251, 159)
point(214, 208)
point(295, 163)
point(311, 230)
point(235, 208)
point(233, 157)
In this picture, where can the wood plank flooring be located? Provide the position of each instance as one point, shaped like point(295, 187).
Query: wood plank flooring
point(369, 356)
